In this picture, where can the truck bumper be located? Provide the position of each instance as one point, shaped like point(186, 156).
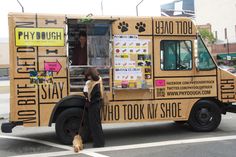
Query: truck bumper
point(231, 108)
point(7, 127)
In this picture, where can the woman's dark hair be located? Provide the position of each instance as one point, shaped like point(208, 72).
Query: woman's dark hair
point(83, 34)
point(93, 73)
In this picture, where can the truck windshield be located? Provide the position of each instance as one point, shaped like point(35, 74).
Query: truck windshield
point(205, 60)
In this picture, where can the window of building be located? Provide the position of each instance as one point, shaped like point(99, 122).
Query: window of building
point(176, 55)
point(4, 73)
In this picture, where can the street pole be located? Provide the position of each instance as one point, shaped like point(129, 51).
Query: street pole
point(137, 6)
point(102, 6)
point(228, 51)
point(227, 44)
point(22, 8)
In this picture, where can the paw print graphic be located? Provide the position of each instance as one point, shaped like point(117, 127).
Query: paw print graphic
point(123, 26)
point(140, 27)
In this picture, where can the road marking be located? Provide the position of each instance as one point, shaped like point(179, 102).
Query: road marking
point(60, 153)
point(164, 143)
point(94, 151)
point(94, 154)
point(70, 152)
point(38, 141)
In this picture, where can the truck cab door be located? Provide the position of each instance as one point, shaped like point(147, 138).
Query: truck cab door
point(176, 75)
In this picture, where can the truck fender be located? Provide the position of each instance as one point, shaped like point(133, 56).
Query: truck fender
point(65, 103)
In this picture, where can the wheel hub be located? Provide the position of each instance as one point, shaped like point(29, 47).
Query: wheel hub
point(72, 126)
point(204, 115)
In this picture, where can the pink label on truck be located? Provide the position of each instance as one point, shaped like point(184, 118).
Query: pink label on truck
point(52, 66)
point(160, 83)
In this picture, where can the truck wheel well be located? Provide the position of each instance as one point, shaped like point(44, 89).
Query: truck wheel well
point(65, 103)
point(219, 103)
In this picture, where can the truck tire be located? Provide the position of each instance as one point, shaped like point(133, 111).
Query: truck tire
point(205, 116)
point(68, 123)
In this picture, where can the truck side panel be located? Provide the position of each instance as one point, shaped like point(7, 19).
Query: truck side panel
point(143, 111)
point(23, 95)
point(38, 66)
point(226, 86)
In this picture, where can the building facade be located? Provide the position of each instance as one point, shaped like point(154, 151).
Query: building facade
point(179, 8)
point(220, 14)
point(4, 59)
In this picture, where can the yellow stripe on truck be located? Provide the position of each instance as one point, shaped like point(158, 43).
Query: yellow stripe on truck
point(39, 36)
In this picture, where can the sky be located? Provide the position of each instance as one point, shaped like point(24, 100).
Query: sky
point(220, 14)
point(83, 7)
point(210, 11)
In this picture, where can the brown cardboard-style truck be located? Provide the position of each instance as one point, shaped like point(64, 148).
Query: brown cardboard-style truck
point(153, 69)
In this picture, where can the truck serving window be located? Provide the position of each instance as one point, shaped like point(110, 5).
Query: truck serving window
point(88, 46)
point(205, 60)
point(176, 55)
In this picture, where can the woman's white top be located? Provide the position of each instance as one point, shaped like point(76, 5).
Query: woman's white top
point(85, 90)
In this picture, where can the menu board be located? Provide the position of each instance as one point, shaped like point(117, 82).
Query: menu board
point(132, 62)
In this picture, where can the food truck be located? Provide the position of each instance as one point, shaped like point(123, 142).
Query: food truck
point(153, 69)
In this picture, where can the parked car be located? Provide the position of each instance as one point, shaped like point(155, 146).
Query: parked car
point(228, 68)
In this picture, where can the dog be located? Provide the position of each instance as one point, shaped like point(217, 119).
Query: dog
point(77, 143)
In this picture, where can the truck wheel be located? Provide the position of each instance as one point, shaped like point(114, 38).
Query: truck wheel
point(68, 123)
point(205, 116)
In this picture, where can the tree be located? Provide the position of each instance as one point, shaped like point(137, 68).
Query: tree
point(207, 35)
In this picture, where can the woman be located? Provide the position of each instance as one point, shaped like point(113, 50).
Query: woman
point(80, 53)
point(94, 92)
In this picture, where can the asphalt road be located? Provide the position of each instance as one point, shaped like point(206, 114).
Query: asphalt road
point(165, 139)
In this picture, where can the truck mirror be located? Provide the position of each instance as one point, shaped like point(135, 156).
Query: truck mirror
point(197, 63)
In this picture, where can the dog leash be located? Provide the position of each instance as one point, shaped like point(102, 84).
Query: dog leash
point(82, 119)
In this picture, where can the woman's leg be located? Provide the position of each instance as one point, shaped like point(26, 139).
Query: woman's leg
point(85, 131)
point(95, 125)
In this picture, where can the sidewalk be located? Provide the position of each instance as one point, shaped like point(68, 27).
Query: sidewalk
point(4, 99)
point(4, 87)
point(4, 105)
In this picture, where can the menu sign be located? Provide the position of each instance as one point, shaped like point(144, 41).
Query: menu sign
point(132, 62)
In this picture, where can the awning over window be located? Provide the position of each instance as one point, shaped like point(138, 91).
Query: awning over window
point(224, 56)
